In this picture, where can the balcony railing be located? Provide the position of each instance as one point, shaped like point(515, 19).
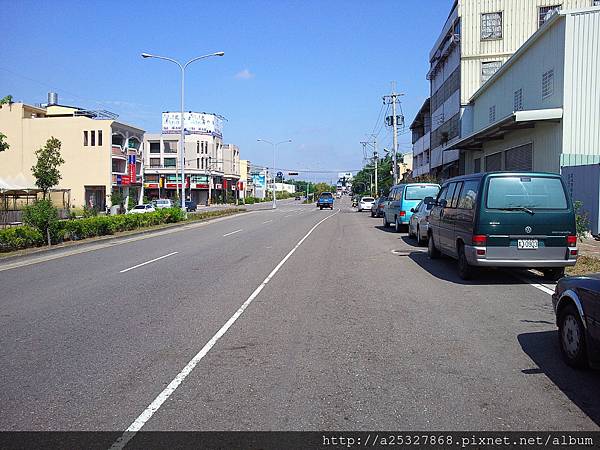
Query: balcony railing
point(422, 144)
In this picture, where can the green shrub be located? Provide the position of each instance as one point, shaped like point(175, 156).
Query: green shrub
point(43, 216)
point(17, 238)
point(582, 220)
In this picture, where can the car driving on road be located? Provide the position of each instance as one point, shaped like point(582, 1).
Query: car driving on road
point(141, 209)
point(576, 302)
point(505, 219)
point(162, 203)
point(325, 200)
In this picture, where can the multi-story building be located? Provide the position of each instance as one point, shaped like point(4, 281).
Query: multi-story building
point(231, 170)
point(210, 166)
point(102, 156)
point(476, 39)
point(541, 110)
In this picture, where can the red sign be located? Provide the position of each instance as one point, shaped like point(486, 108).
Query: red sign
point(125, 179)
point(224, 184)
point(240, 185)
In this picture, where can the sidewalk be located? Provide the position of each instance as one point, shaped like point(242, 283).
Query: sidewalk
point(589, 247)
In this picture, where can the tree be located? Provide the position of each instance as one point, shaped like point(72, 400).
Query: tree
point(3, 144)
point(43, 216)
point(8, 99)
point(46, 171)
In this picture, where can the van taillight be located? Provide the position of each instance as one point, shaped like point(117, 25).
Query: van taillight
point(479, 240)
point(402, 213)
point(572, 241)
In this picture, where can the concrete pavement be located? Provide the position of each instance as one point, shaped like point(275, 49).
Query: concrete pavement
point(356, 330)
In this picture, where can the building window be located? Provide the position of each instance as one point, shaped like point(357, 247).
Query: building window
point(170, 146)
point(489, 68)
point(197, 162)
point(493, 162)
point(85, 138)
point(518, 100)
point(93, 138)
point(547, 84)
point(170, 162)
point(197, 147)
point(519, 158)
point(477, 165)
point(492, 114)
point(595, 2)
point(491, 26)
point(154, 147)
point(154, 162)
point(546, 12)
point(99, 137)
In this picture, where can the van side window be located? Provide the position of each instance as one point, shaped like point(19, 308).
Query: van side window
point(450, 194)
point(442, 195)
point(454, 202)
point(468, 194)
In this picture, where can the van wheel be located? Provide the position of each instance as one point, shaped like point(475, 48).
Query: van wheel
point(571, 337)
point(396, 226)
point(419, 238)
point(554, 273)
point(385, 222)
point(432, 251)
point(465, 271)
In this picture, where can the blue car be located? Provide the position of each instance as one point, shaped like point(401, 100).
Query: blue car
point(403, 197)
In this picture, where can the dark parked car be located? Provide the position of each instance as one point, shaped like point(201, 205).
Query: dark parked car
point(190, 205)
point(576, 303)
point(505, 219)
point(377, 208)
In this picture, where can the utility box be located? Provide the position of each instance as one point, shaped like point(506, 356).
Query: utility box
point(583, 183)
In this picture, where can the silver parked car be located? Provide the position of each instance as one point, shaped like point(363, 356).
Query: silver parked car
point(419, 221)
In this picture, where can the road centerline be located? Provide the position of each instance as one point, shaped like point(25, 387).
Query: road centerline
point(153, 407)
point(147, 262)
point(233, 232)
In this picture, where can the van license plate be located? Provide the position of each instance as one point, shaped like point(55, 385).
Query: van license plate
point(527, 244)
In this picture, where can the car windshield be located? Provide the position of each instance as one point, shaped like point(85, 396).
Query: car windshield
point(140, 207)
point(419, 192)
point(526, 192)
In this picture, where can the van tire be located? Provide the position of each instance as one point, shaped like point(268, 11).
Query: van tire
point(571, 337)
point(385, 222)
point(465, 271)
point(554, 273)
point(420, 240)
point(397, 226)
point(432, 251)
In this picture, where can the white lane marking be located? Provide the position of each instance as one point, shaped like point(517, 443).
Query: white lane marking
point(289, 215)
point(233, 232)
point(174, 384)
point(268, 221)
point(539, 286)
point(147, 262)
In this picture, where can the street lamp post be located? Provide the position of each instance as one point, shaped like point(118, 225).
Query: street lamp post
point(274, 148)
point(182, 136)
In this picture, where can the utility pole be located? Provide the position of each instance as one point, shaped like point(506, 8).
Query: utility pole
point(393, 121)
point(373, 144)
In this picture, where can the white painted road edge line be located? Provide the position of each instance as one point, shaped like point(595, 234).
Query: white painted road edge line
point(267, 221)
point(539, 286)
point(147, 262)
point(233, 232)
point(174, 384)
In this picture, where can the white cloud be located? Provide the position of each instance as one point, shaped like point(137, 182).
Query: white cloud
point(244, 75)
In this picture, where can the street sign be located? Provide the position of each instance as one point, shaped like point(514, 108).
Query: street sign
point(291, 174)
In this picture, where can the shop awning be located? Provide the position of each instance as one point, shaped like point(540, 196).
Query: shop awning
point(518, 120)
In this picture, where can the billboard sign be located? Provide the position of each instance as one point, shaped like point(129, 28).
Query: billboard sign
point(259, 180)
point(347, 175)
point(194, 123)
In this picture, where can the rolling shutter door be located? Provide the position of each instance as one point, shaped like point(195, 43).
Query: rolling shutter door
point(493, 162)
point(519, 158)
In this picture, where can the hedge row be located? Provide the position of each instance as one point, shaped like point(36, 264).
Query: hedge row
point(17, 238)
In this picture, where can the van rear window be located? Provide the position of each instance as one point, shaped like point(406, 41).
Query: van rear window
point(526, 192)
point(419, 192)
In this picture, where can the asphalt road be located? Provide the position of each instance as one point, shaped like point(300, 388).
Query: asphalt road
point(356, 330)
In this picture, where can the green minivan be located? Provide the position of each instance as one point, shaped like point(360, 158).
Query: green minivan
point(505, 219)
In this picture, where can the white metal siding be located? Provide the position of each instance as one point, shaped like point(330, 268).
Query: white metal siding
point(526, 73)
point(582, 84)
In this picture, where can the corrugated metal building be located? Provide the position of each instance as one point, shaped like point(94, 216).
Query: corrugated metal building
point(541, 109)
point(478, 37)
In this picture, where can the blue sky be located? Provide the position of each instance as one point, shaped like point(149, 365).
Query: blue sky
point(311, 71)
